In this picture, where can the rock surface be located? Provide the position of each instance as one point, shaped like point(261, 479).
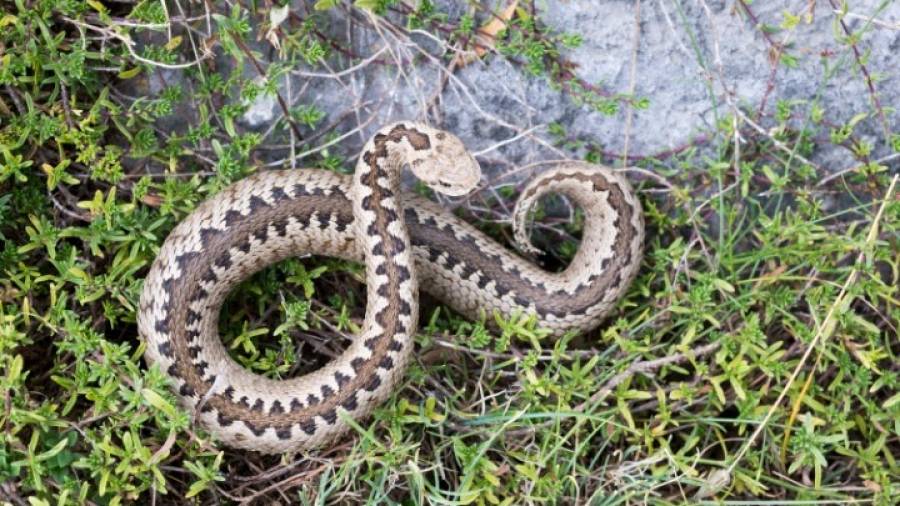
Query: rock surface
point(694, 62)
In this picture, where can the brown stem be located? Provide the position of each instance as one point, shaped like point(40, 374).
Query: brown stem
point(262, 72)
point(869, 83)
point(644, 367)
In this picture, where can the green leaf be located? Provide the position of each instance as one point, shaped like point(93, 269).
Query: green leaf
point(58, 447)
point(371, 5)
point(158, 402)
point(723, 285)
point(894, 400)
point(14, 370)
point(324, 5)
point(128, 74)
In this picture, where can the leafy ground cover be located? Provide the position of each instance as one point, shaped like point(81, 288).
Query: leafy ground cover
point(754, 360)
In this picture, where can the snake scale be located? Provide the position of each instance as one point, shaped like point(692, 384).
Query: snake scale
point(403, 239)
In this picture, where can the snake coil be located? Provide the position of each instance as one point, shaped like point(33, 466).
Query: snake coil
point(402, 239)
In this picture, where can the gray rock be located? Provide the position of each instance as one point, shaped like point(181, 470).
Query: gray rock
point(694, 61)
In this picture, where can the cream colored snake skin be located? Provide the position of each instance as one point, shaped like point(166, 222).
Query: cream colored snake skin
point(403, 239)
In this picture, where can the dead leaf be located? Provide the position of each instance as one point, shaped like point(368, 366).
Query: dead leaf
point(152, 200)
point(277, 15)
point(8, 294)
point(871, 485)
point(209, 44)
point(164, 450)
point(487, 35)
point(772, 276)
point(715, 481)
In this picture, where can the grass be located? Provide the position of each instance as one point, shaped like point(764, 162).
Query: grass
point(754, 360)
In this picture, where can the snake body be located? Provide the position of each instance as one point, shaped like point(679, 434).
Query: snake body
point(402, 238)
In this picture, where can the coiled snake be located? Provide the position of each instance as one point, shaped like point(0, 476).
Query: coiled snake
point(403, 239)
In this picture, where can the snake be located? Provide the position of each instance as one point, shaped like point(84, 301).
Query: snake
point(406, 241)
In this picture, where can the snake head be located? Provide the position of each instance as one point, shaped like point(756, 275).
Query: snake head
point(446, 166)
